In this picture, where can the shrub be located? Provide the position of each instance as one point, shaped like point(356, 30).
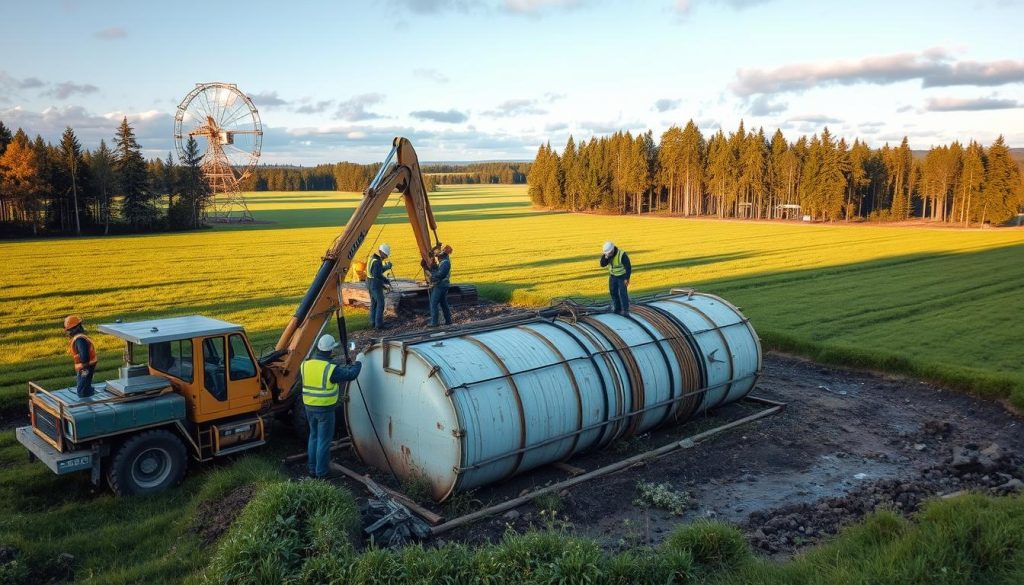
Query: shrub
point(711, 545)
point(283, 528)
point(661, 495)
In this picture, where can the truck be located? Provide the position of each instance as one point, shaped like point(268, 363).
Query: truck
point(191, 387)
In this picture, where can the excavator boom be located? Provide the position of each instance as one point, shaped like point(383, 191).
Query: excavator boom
point(400, 171)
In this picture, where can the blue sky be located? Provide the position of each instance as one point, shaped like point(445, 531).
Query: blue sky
point(492, 79)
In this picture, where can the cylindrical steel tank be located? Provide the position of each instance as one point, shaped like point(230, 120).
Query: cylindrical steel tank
point(470, 407)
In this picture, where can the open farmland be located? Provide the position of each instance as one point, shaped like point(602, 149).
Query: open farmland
point(935, 303)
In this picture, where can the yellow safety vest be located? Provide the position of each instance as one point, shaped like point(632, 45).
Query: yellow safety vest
point(317, 388)
point(369, 265)
point(615, 267)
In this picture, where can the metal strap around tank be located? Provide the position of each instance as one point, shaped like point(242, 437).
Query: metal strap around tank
point(571, 332)
point(681, 350)
point(725, 342)
point(750, 328)
point(572, 378)
point(613, 371)
point(636, 381)
point(685, 408)
point(519, 400)
point(664, 356)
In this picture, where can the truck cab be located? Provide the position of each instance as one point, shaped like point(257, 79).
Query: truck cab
point(190, 387)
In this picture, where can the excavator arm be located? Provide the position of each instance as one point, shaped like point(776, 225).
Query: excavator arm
point(400, 171)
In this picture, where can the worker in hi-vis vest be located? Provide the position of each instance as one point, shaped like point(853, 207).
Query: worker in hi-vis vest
point(83, 352)
point(376, 266)
point(619, 271)
point(322, 382)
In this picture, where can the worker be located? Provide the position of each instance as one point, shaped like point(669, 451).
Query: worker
point(83, 351)
point(619, 271)
point(440, 281)
point(322, 380)
point(375, 283)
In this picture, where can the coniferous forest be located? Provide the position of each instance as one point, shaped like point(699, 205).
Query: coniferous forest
point(748, 175)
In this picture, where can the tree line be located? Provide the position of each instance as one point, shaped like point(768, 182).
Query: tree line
point(745, 174)
point(347, 176)
point(63, 188)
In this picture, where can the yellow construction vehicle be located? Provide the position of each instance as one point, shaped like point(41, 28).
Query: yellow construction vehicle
point(192, 385)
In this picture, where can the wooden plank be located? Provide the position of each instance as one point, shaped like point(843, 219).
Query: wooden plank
point(431, 518)
point(570, 469)
point(339, 444)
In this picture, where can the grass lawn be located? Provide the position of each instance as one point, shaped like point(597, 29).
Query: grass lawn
point(935, 303)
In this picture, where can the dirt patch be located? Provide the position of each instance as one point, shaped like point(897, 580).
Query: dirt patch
point(216, 516)
point(848, 442)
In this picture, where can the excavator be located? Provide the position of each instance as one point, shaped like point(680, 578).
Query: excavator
point(192, 386)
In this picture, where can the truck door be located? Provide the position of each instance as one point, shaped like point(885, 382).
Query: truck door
point(244, 384)
point(214, 395)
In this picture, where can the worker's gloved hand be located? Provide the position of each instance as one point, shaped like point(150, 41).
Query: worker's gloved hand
point(387, 266)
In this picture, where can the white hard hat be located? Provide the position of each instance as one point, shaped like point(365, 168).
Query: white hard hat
point(385, 249)
point(326, 343)
point(608, 247)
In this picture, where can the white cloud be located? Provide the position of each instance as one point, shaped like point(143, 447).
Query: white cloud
point(933, 67)
point(950, 104)
point(447, 117)
point(355, 108)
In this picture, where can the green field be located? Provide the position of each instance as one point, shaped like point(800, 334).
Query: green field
point(935, 303)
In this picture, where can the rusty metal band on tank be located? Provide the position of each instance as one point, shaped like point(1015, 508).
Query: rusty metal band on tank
point(477, 405)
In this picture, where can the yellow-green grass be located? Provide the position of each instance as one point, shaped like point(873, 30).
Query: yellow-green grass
point(936, 303)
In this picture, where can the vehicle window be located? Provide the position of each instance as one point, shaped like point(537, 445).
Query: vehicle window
point(173, 358)
point(242, 366)
point(214, 372)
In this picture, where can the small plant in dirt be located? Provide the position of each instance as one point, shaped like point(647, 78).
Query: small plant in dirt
point(550, 501)
point(417, 487)
point(662, 496)
point(553, 522)
point(634, 444)
point(461, 504)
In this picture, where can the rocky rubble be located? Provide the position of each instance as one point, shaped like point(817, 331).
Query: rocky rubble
point(990, 470)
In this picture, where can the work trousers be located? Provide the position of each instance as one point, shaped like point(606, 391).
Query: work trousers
point(376, 306)
point(83, 382)
point(439, 303)
point(620, 296)
point(321, 432)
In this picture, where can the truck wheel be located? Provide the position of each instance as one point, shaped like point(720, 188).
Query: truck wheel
point(146, 463)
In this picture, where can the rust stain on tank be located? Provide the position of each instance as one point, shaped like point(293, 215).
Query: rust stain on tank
point(440, 426)
point(391, 430)
point(406, 454)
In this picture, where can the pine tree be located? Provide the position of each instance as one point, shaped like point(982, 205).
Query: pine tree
point(194, 189)
point(101, 166)
point(132, 180)
point(1001, 190)
point(75, 168)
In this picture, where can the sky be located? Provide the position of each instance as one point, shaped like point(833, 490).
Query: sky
point(493, 79)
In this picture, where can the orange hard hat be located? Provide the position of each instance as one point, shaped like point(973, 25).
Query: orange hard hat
point(72, 321)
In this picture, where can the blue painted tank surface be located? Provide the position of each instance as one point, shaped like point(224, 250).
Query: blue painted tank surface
point(467, 408)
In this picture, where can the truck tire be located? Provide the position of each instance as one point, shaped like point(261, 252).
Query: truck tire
point(146, 463)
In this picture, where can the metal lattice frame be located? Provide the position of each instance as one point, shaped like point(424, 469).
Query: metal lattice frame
point(228, 121)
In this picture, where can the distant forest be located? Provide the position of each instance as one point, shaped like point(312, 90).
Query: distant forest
point(63, 188)
point(745, 174)
point(346, 176)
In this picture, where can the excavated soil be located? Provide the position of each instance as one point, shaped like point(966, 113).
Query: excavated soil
point(847, 443)
point(214, 517)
